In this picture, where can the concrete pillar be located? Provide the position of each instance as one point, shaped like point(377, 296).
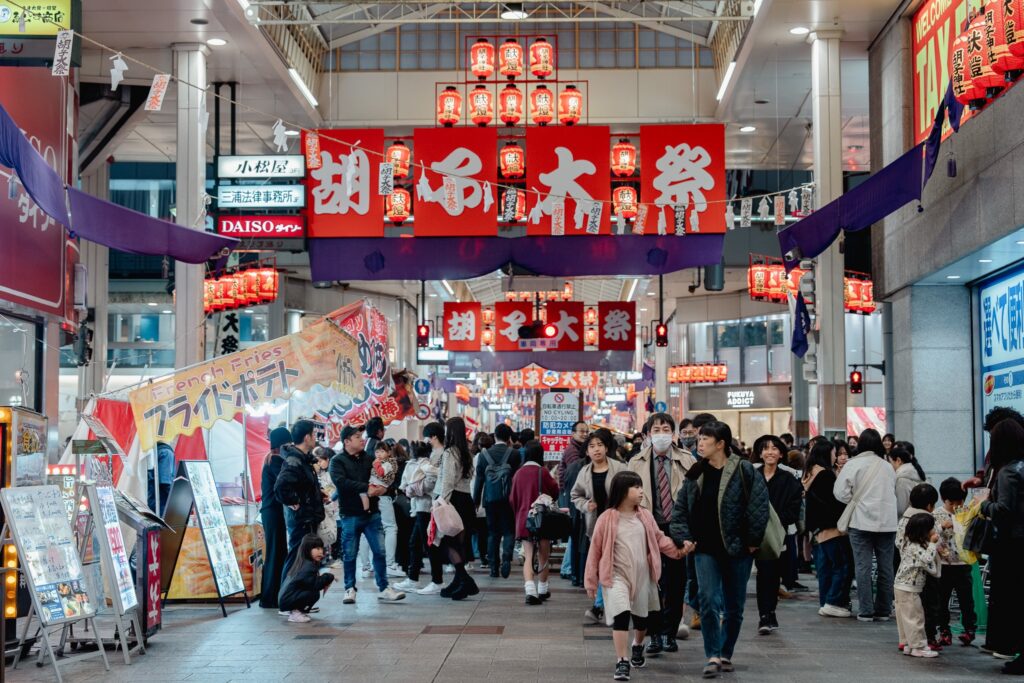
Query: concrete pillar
point(96, 258)
point(828, 175)
point(799, 389)
point(275, 317)
point(190, 330)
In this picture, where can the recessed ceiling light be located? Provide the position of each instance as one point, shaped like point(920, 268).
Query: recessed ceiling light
point(748, 129)
point(151, 303)
point(432, 295)
point(167, 311)
point(248, 310)
point(216, 42)
point(952, 277)
point(513, 11)
point(643, 310)
point(799, 30)
point(291, 133)
point(984, 260)
point(1020, 241)
point(199, 21)
point(651, 294)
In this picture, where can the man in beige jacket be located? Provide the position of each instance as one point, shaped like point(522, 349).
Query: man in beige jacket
point(662, 467)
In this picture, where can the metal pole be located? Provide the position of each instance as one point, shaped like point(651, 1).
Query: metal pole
point(234, 118)
point(216, 119)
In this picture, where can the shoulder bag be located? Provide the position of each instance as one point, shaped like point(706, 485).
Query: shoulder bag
point(843, 524)
point(774, 539)
point(545, 521)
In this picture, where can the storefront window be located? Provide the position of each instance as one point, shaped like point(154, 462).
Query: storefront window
point(19, 362)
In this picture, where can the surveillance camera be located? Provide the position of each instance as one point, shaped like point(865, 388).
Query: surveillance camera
point(792, 255)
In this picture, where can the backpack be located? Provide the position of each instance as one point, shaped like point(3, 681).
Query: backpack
point(497, 478)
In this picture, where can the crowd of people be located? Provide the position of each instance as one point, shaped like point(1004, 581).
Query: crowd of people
point(676, 516)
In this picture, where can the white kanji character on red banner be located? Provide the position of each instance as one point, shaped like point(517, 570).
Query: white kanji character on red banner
point(462, 326)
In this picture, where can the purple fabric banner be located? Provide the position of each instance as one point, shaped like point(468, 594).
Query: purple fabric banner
point(41, 182)
point(431, 258)
point(562, 361)
point(120, 228)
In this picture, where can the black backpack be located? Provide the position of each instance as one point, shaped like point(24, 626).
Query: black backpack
point(497, 478)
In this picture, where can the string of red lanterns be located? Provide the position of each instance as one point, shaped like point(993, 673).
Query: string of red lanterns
point(700, 373)
point(240, 290)
point(770, 282)
point(988, 55)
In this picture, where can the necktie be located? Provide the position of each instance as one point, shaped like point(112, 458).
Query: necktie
point(664, 489)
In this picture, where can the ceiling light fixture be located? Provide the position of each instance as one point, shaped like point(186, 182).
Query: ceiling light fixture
point(167, 311)
point(513, 11)
point(952, 277)
point(725, 81)
point(216, 42)
point(151, 303)
point(292, 133)
point(301, 85)
point(632, 289)
point(984, 260)
point(451, 292)
point(799, 30)
point(748, 129)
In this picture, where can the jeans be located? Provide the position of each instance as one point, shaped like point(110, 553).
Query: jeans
point(833, 564)
point(723, 591)
point(692, 587)
point(501, 527)
point(880, 545)
point(295, 533)
point(390, 524)
point(566, 570)
point(370, 527)
point(769, 574)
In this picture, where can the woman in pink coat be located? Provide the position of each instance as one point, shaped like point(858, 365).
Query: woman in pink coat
point(625, 560)
point(531, 481)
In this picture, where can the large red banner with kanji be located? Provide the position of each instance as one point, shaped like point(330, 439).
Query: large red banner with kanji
point(456, 182)
point(567, 318)
point(536, 377)
point(683, 169)
point(342, 192)
point(616, 325)
point(509, 316)
point(567, 172)
point(461, 322)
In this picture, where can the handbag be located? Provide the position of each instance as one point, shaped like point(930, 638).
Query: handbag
point(844, 519)
point(545, 521)
point(774, 539)
point(328, 531)
point(446, 518)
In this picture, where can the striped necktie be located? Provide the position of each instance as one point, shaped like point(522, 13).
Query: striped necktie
point(664, 488)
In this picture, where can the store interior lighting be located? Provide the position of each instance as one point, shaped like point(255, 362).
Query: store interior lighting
point(301, 85)
point(513, 11)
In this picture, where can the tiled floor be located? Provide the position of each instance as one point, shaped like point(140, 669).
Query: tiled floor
point(495, 637)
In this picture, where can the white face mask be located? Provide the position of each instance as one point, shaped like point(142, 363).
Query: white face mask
point(661, 442)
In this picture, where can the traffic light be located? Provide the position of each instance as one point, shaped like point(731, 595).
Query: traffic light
point(661, 335)
point(423, 336)
point(538, 330)
point(83, 345)
point(856, 382)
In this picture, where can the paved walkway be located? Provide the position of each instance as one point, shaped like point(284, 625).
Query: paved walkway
point(495, 637)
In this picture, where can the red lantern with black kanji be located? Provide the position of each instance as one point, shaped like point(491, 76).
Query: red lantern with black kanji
point(570, 106)
point(623, 158)
point(252, 286)
point(449, 106)
point(757, 282)
point(399, 155)
point(481, 105)
point(230, 292)
point(964, 89)
point(512, 161)
point(542, 105)
point(510, 105)
point(542, 58)
point(510, 59)
point(481, 59)
point(520, 205)
point(997, 14)
point(979, 61)
point(777, 283)
point(208, 296)
point(624, 201)
point(397, 205)
point(268, 285)
point(241, 289)
point(1013, 15)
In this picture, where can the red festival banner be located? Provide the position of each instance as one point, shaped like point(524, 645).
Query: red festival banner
point(536, 377)
point(509, 316)
point(461, 323)
point(343, 200)
point(936, 26)
point(567, 180)
point(684, 168)
point(616, 325)
point(567, 317)
point(457, 196)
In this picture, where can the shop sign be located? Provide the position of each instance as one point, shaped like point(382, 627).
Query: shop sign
point(278, 227)
point(153, 580)
point(261, 166)
point(1002, 322)
point(698, 373)
point(559, 410)
point(936, 25)
point(536, 377)
point(42, 19)
point(757, 396)
point(260, 197)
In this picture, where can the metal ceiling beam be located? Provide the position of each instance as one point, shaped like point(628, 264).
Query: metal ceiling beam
point(687, 8)
point(356, 36)
point(655, 25)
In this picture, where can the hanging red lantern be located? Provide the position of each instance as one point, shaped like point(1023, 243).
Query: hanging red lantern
point(590, 316)
point(510, 59)
point(241, 288)
point(541, 106)
point(851, 294)
point(590, 337)
point(964, 89)
point(867, 297)
point(208, 296)
point(570, 106)
point(487, 315)
point(252, 286)
point(487, 337)
point(481, 59)
point(979, 61)
point(481, 105)
point(520, 205)
point(793, 281)
point(776, 283)
point(1013, 14)
point(268, 285)
point(542, 58)
point(397, 204)
point(510, 105)
point(623, 158)
point(512, 161)
point(229, 291)
point(757, 282)
point(998, 15)
point(399, 155)
point(449, 106)
point(624, 201)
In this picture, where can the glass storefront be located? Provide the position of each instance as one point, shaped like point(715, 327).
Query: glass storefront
point(20, 362)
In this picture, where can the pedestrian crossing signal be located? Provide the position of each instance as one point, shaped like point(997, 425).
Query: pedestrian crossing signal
point(856, 382)
point(661, 335)
point(423, 336)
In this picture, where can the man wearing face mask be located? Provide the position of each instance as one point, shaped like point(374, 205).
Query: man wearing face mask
point(688, 436)
point(662, 466)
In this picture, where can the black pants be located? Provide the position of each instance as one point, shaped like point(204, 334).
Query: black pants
point(1006, 598)
point(501, 526)
point(672, 589)
point(417, 545)
point(273, 555)
point(620, 622)
point(769, 573)
point(957, 577)
point(481, 533)
point(930, 603)
point(300, 600)
point(459, 548)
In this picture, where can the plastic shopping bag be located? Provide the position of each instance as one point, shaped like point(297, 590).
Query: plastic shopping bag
point(963, 518)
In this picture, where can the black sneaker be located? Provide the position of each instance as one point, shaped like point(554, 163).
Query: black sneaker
point(638, 660)
point(506, 568)
point(655, 647)
point(773, 621)
point(764, 626)
point(670, 644)
point(532, 599)
point(798, 588)
point(621, 671)
point(448, 590)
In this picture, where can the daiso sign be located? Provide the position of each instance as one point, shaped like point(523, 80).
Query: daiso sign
point(262, 226)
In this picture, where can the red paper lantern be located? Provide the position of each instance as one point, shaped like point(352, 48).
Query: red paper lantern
point(268, 285)
point(449, 106)
point(542, 58)
point(229, 292)
point(481, 59)
point(964, 89)
point(512, 161)
point(542, 106)
point(1000, 22)
point(979, 61)
point(1013, 14)
point(510, 59)
point(590, 316)
point(399, 155)
point(570, 106)
point(867, 297)
point(242, 289)
point(252, 286)
point(481, 105)
point(624, 201)
point(851, 294)
point(208, 296)
point(520, 205)
point(757, 282)
point(776, 283)
point(510, 105)
point(623, 158)
point(590, 337)
point(397, 205)
point(487, 337)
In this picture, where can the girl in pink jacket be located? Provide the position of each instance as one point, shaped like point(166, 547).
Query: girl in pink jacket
point(625, 560)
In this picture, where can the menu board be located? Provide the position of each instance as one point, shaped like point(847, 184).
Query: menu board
point(115, 559)
point(214, 527)
point(38, 520)
point(29, 446)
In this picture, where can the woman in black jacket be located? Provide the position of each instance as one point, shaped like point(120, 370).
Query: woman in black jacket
point(272, 515)
point(833, 558)
point(785, 495)
point(304, 583)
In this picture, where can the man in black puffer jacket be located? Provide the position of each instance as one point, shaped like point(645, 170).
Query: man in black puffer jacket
point(298, 489)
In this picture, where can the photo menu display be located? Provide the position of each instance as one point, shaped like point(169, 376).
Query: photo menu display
point(211, 520)
point(105, 511)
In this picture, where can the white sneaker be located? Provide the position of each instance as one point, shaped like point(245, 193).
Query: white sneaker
point(284, 613)
point(408, 585)
point(297, 617)
point(835, 611)
point(431, 589)
point(684, 632)
point(395, 570)
point(470, 566)
point(389, 594)
point(923, 653)
point(350, 597)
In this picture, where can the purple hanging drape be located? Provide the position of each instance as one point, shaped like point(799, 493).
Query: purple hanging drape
point(41, 182)
point(562, 361)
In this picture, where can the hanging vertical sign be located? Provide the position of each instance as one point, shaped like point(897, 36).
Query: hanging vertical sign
point(62, 53)
point(569, 167)
point(685, 166)
point(157, 91)
point(780, 210)
point(457, 182)
point(343, 199)
point(616, 322)
point(559, 411)
point(461, 322)
point(567, 318)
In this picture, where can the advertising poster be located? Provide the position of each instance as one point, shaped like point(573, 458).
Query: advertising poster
point(936, 25)
point(1001, 315)
point(210, 516)
point(29, 432)
point(193, 579)
point(559, 410)
point(108, 528)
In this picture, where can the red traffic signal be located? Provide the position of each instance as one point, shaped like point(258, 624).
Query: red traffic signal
point(423, 336)
point(550, 331)
point(856, 382)
point(661, 335)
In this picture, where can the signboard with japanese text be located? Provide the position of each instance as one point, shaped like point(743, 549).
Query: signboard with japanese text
point(684, 169)
point(41, 18)
point(378, 396)
point(344, 200)
point(559, 410)
point(260, 197)
point(568, 170)
point(1001, 318)
point(267, 227)
point(261, 166)
point(112, 547)
point(210, 516)
point(151, 581)
point(458, 194)
point(616, 325)
point(936, 25)
point(535, 377)
point(509, 316)
point(461, 324)
point(320, 356)
point(567, 318)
